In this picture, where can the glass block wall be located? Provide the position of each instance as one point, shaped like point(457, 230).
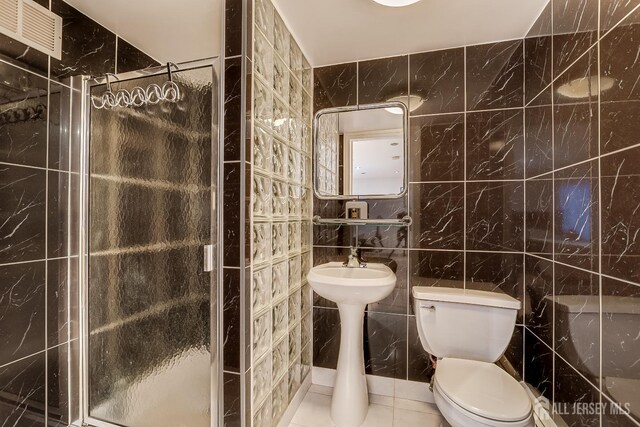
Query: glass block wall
point(281, 216)
point(328, 145)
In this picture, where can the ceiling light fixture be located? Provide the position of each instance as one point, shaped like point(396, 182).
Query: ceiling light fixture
point(396, 3)
point(414, 103)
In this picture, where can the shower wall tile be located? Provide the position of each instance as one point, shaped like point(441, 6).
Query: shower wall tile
point(542, 26)
point(58, 214)
point(398, 262)
point(538, 359)
point(23, 127)
point(233, 27)
point(23, 197)
point(620, 180)
point(130, 58)
point(437, 148)
point(385, 345)
point(538, 135)
point(24, 56)
point(435, 268)
point(326, 337)
point(381, 80)
point(537, 69)
point(495, 76)
point(612, 12)
point(514, 353)
point(584, 69)
point(233, 109)
point(620, 68)
point(539, 287)
point(438, 216)
point(619, 343)
point(496, 272)
point(572, 388)
point(576, 230)
point(539, 216)
point(575, 29)
point(438, 79)
point(58, 292)
point(335, 86)
point(59, 138)
point(87, 47)
point(495, 145)
point(23, 384)
point(232, 407)
point(57, 387)
point(575, 133)
point(231, 218)
point(577, 320)
point(231, 310)
point(419, 366)
point(22, 329)
point(494, 216)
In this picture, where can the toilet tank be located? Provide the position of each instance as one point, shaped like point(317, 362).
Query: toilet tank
point(464, 323)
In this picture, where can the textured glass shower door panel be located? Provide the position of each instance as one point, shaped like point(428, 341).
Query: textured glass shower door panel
point(150, 213)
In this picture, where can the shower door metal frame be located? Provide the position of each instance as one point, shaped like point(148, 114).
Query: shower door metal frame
point(215, 345)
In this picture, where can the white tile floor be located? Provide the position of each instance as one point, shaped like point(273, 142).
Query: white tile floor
point(383, 411)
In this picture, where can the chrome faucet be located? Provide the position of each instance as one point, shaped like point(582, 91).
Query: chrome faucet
point(355, 260)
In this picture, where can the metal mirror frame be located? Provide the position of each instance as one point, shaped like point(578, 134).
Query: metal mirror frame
point(365, 107)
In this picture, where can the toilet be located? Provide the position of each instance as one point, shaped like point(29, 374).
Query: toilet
point(468, 330)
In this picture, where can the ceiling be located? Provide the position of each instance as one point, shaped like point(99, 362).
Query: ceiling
point(167, 30)
point(337, 31)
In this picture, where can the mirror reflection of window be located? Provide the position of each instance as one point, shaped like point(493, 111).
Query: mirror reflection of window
point(376, 161)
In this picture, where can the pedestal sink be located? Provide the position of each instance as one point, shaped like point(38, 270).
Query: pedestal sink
point(352, 289)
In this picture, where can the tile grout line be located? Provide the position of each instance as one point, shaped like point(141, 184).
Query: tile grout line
point(464, 167)
point(524, 202)
point(46, 254)
point(599, 112)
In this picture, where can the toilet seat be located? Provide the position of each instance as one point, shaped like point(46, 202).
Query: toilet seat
point(482, 392)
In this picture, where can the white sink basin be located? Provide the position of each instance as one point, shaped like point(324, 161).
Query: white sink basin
point(345, 285)
point(352, 289)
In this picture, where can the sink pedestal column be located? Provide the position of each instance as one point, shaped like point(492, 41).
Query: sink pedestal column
point(350, 402)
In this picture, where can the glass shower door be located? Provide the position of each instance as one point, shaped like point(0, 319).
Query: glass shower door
point(150, 178)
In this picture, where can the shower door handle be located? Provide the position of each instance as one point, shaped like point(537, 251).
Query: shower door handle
point(208, 258)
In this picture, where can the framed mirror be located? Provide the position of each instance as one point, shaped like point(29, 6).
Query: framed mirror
point(361, 152)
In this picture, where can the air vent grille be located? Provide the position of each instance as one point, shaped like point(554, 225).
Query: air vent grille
point(33, 25)
point(9, 14)
point(38, 26)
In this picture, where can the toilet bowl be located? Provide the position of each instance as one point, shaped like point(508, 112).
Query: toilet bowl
point(468, 330)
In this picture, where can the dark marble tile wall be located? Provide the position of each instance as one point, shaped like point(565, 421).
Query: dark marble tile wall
point(523, 177)
point(38, 208)
point(582, 168)
point(466, 194)
point(236, 233)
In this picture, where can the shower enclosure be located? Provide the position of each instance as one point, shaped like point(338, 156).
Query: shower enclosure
point(148, 277)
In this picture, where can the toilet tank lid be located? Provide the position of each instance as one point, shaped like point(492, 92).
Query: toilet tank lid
point(466, 296)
